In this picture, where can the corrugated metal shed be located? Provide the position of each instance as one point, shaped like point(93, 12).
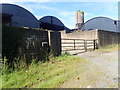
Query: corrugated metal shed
point(52, 23)
point(17, 16)
point(21, 17)
point(102, 23)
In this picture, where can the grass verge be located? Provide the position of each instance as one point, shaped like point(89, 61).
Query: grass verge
point(50, 74)
point(109, 48)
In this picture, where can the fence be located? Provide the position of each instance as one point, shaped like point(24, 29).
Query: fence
point(78, 44)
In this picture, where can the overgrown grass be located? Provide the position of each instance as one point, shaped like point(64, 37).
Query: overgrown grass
point(53, 73)
point(50, 74)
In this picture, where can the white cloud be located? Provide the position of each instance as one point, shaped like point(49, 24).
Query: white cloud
point(16, 1)
point(43, 7)
point(66, 13)
point(68, 18)
point(36, 7)
point(38, 17)
point(27, 7)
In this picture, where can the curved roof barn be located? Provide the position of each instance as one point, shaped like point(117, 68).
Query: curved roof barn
point(52, 23)
point(102, 23)
point(15, 15)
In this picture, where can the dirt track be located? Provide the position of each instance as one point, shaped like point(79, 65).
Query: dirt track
point(102, 72)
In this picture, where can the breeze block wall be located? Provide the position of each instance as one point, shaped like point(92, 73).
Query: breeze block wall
point(87, 35)
point(34, 45)
point(108, 38)
point(29, 44)
point(103, 37)
point(24, 44)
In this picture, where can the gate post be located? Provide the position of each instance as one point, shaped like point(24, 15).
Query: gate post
point(55, 42)
point(94, 42)
point(85, 45)
point(74, 44)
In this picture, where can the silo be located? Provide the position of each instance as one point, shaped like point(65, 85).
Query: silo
point(79, 19)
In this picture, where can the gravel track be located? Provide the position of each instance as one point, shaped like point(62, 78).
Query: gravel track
point(106, 74)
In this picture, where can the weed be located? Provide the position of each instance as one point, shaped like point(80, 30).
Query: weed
point(49, 74)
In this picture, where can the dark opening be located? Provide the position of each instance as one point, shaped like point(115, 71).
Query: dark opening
point(115, 22)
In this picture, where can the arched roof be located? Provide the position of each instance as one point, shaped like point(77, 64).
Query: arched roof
point(52, 20)
point(21, 17)
point(102, 23)
point(51, 23)
point(98, 18)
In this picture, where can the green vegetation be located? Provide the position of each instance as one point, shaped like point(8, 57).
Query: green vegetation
point(109, 48)
point(50, 74)
point(87, 76)
point(14, 48)
point(112, 85)
point(11, 40)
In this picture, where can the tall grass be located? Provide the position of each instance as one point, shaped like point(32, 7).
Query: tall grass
point(50, 74)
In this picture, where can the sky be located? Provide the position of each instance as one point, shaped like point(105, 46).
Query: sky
point(65, 11)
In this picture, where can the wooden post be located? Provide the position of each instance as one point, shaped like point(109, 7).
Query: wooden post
point(94, 42)
point(74, 44)
point(85, 45)
point(49, 38)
